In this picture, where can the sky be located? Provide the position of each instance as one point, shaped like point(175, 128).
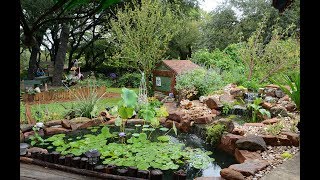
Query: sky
point(209, 5)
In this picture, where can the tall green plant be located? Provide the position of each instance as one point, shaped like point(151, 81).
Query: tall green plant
point(294, 83)
point(143, 31)
point(86, 104)
point(256, 109)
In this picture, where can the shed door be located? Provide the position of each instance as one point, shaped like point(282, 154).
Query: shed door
point(163, 83)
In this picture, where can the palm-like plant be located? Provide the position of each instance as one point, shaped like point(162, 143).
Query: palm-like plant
point(294, 83)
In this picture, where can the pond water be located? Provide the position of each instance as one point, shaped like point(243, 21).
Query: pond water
point(221, 161)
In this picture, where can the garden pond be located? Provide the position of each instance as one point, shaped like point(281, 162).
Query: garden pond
point(144, 148)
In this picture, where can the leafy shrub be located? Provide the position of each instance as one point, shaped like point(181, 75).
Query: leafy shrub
point(294, 83)
point(214, 133)
point(86, 106)
point(224, 60)
point(128, 80)
point(257, 109)
point(226, 109)
point(200, 80)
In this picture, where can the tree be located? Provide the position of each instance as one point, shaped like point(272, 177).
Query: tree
point(280, 54)
point(143, 32)
point(252, 50)
point(253, 11)
point(36, 16)
point(61, 55)
point(221, 29)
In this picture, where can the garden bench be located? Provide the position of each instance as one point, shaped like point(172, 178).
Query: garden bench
point(31, 83)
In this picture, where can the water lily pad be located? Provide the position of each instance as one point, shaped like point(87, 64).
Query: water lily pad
point(94, 130)
point(164, 129)
point(163, 138)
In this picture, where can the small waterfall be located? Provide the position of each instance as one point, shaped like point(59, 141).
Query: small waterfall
point(250, 97)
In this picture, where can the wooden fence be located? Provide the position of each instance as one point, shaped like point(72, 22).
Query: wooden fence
point(61, 95)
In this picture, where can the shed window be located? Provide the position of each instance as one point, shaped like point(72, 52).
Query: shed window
point(158, 81)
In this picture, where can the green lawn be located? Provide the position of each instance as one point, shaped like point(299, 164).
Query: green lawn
point(59, 109)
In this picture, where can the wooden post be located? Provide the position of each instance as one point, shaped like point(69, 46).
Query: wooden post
point(110, 169)
point(179, 175)
point(83, 163)
point(143, 174)
point(132, 171)
point(68, 159)
point(34, 155)
point(62, 160)
point(48, 157)
point(99, 168)
point(56, 156)
point(75, 162)
point(90, 166)
point(40, 156)
point(122, 172)
point(45, 87)
point(156, 174)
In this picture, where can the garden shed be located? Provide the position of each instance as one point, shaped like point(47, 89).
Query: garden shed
point(165, 72)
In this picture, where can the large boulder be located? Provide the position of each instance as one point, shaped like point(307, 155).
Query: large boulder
point(270, 92)
point(238, 131)
point(267, 105)
point(53, 123)
point(184, 126)
point(276, 140)
point(205, 119)
point(92, 122)
point(79, 120)
point(251, 143)
point(293, 137)
point(25, 127)
point(278, 110)
point(52, 130)
point(270, 121)
point(243, 155)
point(230, 174)
point(290, 107)
point(238, 92)
point(37, 150)
point(250, 167)
point(226, 122)
point(279, 93)
point(176, 115)
point(31, 133)
point(228, 142)
point(213, 103)
point(226, 98)
point(270, 99)
point(66, 124)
